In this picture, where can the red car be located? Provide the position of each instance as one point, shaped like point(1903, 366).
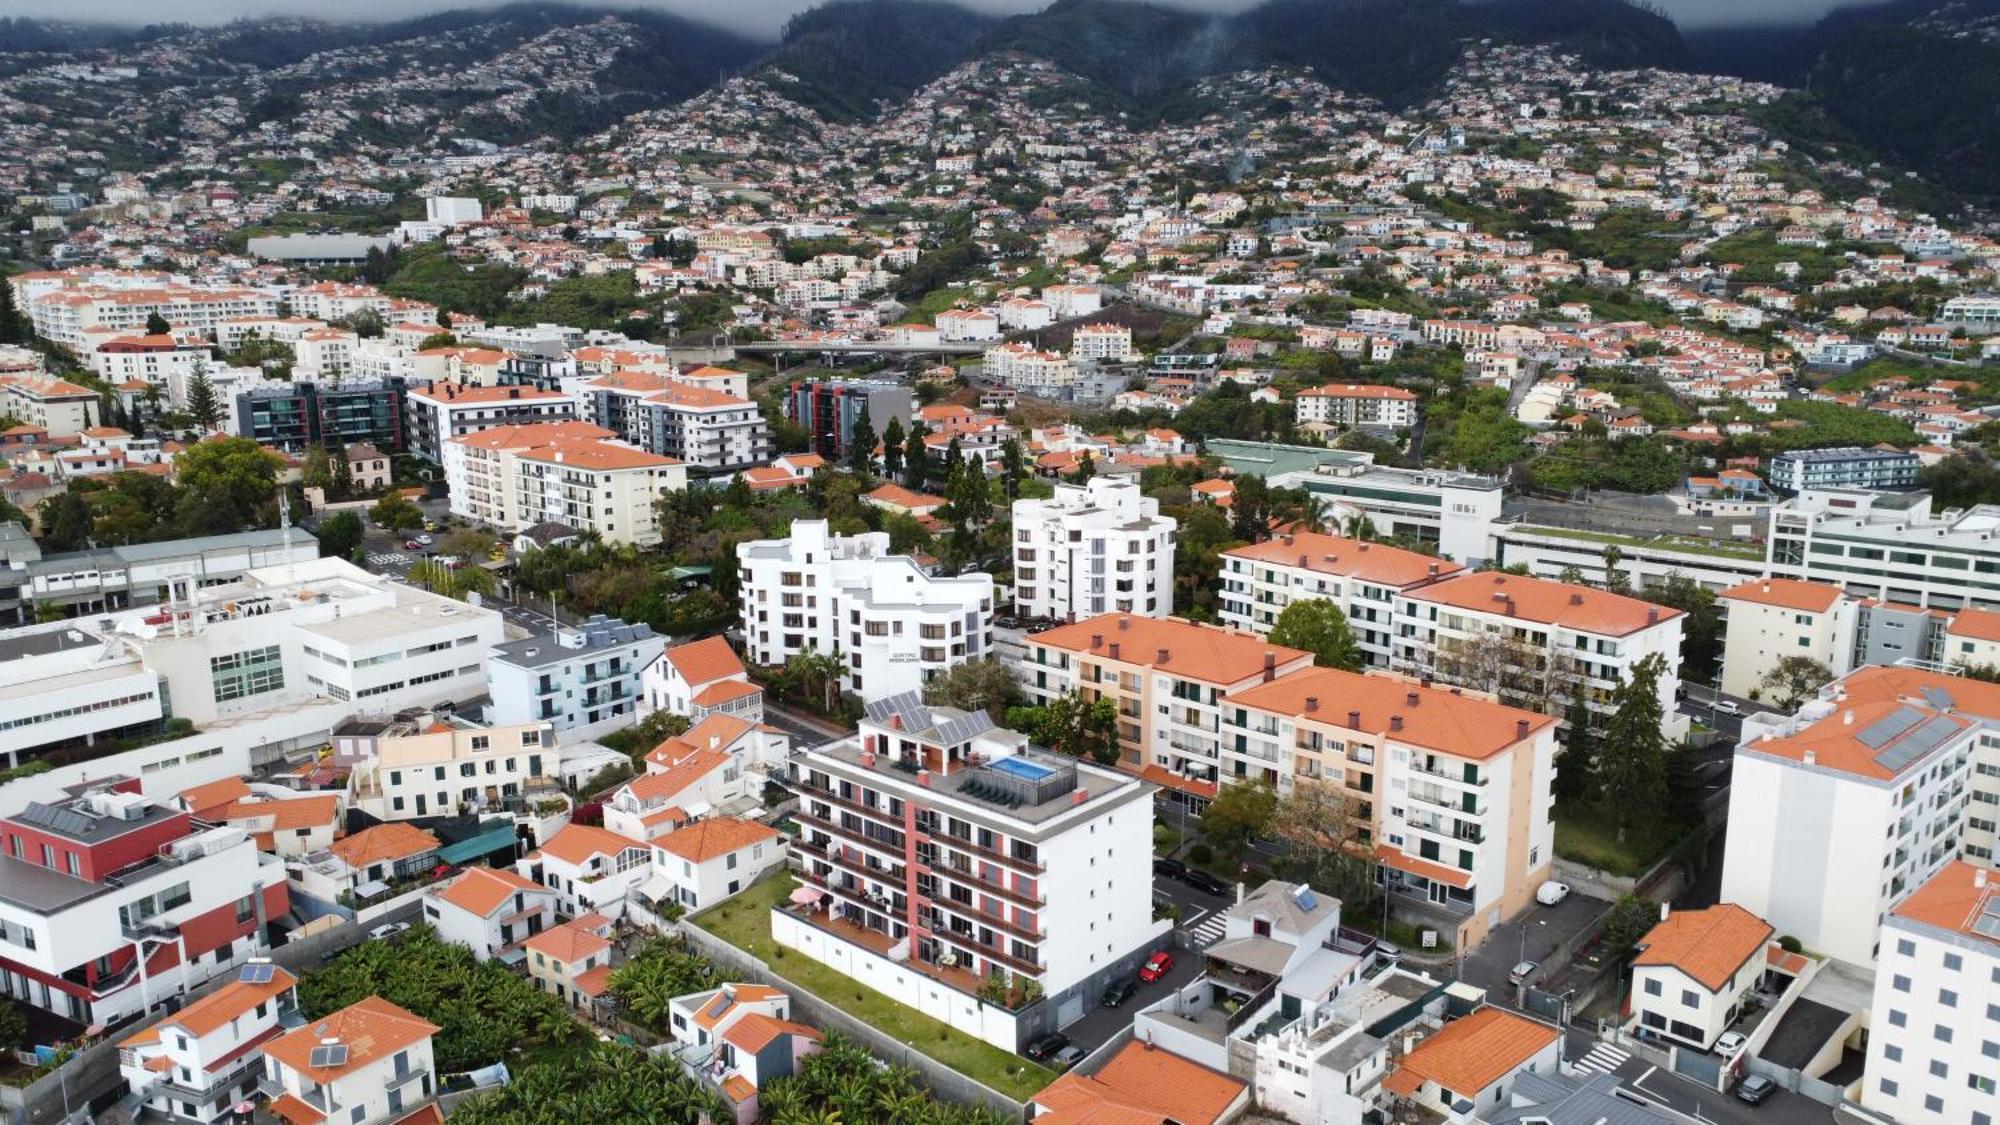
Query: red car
point(412, 545)
point(1156, 966)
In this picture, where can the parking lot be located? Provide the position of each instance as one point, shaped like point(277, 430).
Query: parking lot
point(1531, 937)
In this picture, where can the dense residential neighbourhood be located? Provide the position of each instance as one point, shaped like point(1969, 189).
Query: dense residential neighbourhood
point(1337, 564)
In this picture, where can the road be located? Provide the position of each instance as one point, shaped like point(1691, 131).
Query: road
point(1663, 1087)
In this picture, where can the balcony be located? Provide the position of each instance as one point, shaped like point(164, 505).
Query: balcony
point(973, 914)
point(851, 894)
point(1467, 804)
point(967, 943)
point(1450, 830)
point(833, 829)
point(1017, 863)
point(1455, 776)
point(317, 1096)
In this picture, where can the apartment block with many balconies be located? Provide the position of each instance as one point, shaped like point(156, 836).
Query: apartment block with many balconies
point(1361, 578)
point(1097, 547)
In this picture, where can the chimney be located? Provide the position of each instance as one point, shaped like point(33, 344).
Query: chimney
point(1162, 656)
point(1652, 615)
point(1665, 909)
point(1576, 597)
point(1312, 703)
point(1432, 570)
point(1270, 666)
point(1979, 877)
point(1395, 722)
point(895, 720)
point(1847, 717)
point(1097, 640)
point(715, 742)
point(868, 759)
point(1114, 650)
point(1410, 698)
point(1354, 720)
point(1767, 587)
point(1812, 757)
point(1125, 621)
point(1520, 729)
point(1302, 560)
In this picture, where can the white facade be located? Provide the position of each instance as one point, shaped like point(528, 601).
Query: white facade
point(585, 678)
point(592, 870)
point(66, 682)
point(1099, 547)
point(1932, 1033)
point(1695, 970)
point(1361, 578)
point(1357, 405)
point(1893, 546)
point(489, 911)
point(450, 770)
point(893, 626)
point(386, 1067)
point(1774, 618)
point(711, 860)
point(199, 1062)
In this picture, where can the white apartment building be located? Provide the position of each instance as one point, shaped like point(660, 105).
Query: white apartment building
point(1892, 546)
point(1067, 301)
point(957, 325)
point(893, 625)
point(1536, 642)
point(1101, 343)
point(490, 911)
point(153, 360)
point(46, 402)
point(1028, 369)
point(1934, 1026)
point(480, 474)
point(66, 314)
point(68, 682)
point(439, 412)
point(1357, 405)
point(1094, 548)
point(592, 870)
point(712, 431)
point(1169, 679)
point(370, 1061)
point(599, 486)
point(1772, 618)
point(448, 770)
point(1694, 971)
point(1838, 812)
point(945, 849)
point(199, 1062)
point(585, 678)
point(1360, 577)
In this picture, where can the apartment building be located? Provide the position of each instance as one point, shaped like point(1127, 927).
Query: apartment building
point(828, 409)
point(67, 312)
point(1169, 679)
point(370, 1061)
point(1357, 406)
point(699, 679)
point(1450, 793)
point(1845, 467)
point(439, 412)
point(893, 625)
point(1891, 546)
point(200, 1062)
point(715, 433)
point(946, 849)
point(1694, 971)
point(96, 883)
point(296, 416)
point(1362, 578)
point(155, 360)
point(1093, 548)
point(1537, 643)
point(449, 770)
point(1101, 343)
point(592, 485)
point(1934, 1026)
point(490, 911)
point(480, 471)
point(592, 870)
point(1837, 812)
point(585, 678)
point(1771, 619)
point(1029, 370)
point(56, 405)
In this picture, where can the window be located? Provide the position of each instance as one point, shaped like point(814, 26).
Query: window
point(1906, 947)
point(1887, 1086)
point(1898, 1019)
point(1980, 1083)
point(1690, 998)
point(1947, 997)
point(1953, 962)
point(1933, 1103)
point(1900, 983)
point(1939, 1069)
point(1941, 1033)
point(1653, 986)
point(1892, 1052)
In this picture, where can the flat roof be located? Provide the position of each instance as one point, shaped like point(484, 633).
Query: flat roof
point(40, 889)
point(46, 642)
point(1095, 783)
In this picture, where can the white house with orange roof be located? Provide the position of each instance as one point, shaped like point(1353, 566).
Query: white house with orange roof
point(699, 679)
point(963, 325)
point(1695, 969)
point(199, 1062)
point(701, 864)
point(591, 869)
point(490, 911)
point(892, 497)
point(720, 762)
point(572, 961)
point(1972, 639)
point(1260, 580)
point(1770, 619)
point(737, 1037)
point(789, 471)
point(149, 358)
point(1220, 493)
point(364, 865)
point(1463, 1070)
point(368, 1062)
point(56, 405)
point(1143, 1085)
point(288, 827)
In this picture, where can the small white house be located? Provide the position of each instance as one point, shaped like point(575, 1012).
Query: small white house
point(710, 860)
point(490, 911)
point(1693, 970)
point(368, 1062)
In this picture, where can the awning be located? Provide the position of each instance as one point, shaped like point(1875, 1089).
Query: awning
point(371, 888)
point(476, 847)
point(1435, 872)
point(1162, 776)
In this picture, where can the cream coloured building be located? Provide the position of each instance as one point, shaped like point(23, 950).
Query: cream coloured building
point(1773, 618)
point(446, 769)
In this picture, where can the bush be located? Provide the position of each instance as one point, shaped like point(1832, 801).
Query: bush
point(1165, 839)
point(1201, 855)
point(1790, 944)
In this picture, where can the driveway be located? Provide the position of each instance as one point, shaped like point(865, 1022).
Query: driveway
point(1530, 937)
point(1100, 1023)
point(1663, 1087)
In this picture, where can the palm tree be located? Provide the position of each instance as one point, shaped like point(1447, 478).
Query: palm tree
point(813, 666)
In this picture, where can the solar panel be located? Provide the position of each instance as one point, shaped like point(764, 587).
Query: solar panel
point(1885, 729)
point(1917, 743)
point(328, 1055)
point(1987, 925)
point(67, 821)
point(909, 706)
point(1937, 697)
point(256, 973)
point(1306, 899)
point(962, 729)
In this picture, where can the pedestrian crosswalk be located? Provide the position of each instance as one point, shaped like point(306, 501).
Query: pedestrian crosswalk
point(1208, 931)
point(1604, 1059)
point(393, 558)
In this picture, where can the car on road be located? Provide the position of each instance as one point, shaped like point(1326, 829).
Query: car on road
point(1520, 973)
point(412, 545)
point(425, 540)
point(430, 525)
point(1204, 882)
point(1169, 868)
point(388, 930)
point(1069, 1056)
point(1156, 966)
point(1754, 1089)
point(1551, 892)
point(1042, 1048)
point(451, 562)
point(1730, 1043)
point(1726, 707)
point(1117, 992)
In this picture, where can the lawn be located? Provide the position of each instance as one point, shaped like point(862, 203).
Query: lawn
point(1590, 837)
point(1718, 548)
point(745, 922)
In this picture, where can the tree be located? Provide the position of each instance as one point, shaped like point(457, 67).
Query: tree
point(202, 404)
point(470, 544)
point(916, 457)
point(823, 669)
point(340, 535)
point(1629, 920)
point(1632, 760)
point(12, 330)
point(396, 513)
point(67, 521)
point(13, 1025)
point(1086, 468)
point(1068, 725)
point(1316, 822)
point(1576, 766)
point(892, 448)
point(156, 325)
point(1239, 813)
point(861, 442)
point(661, 970)
point(1793, 679)
point(976, 685)
point(1013, 468)
point(1319, 627)
point(1614, 579)
point(1701, 632)
point(317, 471)
point(228, 484)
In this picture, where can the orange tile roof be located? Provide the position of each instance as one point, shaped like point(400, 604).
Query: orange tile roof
point(717, 694)
point(753, 1031)
point(287, 813)
point(293, 1108)
point(595, 981)
point(576, 843)
point(528, 435)
point(1708, 945)
point(570, 942)
point(215, 796)
point(1166, 778)
point(1975, 624)
point(686, 770)
point(1953, 899)
point(1434, 718)
point(705, 661)
point(372, 1029)
point(738, 1089)
point(717, 836)
point(1546, 602)
point(1786, 593)
point(1332, 554)
point(716, 732)
point(1473, 1052)
point(1142, 1085)
point(895, 495)
point(428, 1115)
point(597, 456)
point(390, 841)
point(1357, 390)
point(219, 1007)
point(454, 393)
point(1879, 682)
point(1208, 653)
point(483, 890)
point(1834, 743)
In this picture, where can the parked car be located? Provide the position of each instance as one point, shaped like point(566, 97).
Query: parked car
point(1754, 1089)
point(1042, 1048)
point(1169, 868)
point(1156, 966)
point(1069, 1056)
point(1388, 953)
point(1551, 892)
point(1726, 706)
point(425, 540)
point(1520, 973)
point(1730, 1043)
point(412, 545)
point(1117, 992)
point(388, 930)
point(1202, 881)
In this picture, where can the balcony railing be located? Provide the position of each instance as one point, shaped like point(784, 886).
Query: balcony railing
point(832, 829)
point(1456, 776)
point(966, 942)
point(1025, 866)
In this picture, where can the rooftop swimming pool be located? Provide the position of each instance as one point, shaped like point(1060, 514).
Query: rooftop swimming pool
point(1022, 768)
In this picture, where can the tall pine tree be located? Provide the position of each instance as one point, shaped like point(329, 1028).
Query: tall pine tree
point(12, 330)
point(202, 404)
point(1632, 761)
point(1576, 767)
point(916, 457)
point(892, 448)
point(861, 442)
